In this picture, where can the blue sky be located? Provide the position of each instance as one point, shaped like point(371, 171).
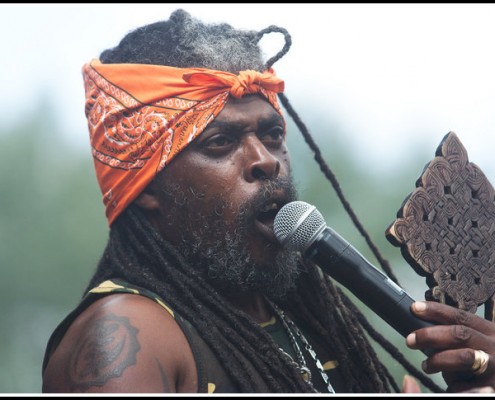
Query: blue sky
point(391, 76)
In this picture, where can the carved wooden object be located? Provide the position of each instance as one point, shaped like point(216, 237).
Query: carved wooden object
point(445, 230)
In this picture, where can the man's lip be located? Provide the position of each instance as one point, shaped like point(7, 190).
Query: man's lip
point(263, 222)
point(266, 230)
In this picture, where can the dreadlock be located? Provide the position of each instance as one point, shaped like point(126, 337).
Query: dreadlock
point(137, 253)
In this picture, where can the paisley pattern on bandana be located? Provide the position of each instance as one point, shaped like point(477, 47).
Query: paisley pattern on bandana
point(141, 116)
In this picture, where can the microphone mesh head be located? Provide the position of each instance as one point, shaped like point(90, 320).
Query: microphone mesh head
point(296, 225)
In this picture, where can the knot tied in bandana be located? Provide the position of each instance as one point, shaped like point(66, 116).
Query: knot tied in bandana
point(141, 116)
point(247, 82)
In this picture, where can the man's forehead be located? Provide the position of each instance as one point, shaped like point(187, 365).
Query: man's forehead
point(247, 109)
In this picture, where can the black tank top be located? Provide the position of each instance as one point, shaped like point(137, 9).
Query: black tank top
point(212, 377)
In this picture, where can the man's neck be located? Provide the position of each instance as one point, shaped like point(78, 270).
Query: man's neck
point(253, 304)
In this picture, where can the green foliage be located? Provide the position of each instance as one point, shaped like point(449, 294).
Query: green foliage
point(53, 228)
point(52, 232)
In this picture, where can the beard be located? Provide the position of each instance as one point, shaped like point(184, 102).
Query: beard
point(218, 251)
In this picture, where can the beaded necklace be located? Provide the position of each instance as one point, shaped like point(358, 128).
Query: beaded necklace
point(287, 323)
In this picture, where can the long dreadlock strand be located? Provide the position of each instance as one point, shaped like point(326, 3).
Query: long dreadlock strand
point(392, 350)
point(339, 329)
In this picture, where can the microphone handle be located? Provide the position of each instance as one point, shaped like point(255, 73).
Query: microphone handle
point(339, 259)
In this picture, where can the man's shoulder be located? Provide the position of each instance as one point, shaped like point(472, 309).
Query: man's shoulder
point(124, 309)
point(121, 342)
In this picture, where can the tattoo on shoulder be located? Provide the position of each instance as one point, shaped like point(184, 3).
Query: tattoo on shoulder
point(103, 353)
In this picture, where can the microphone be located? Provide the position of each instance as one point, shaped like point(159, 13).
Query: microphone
point(301, 227)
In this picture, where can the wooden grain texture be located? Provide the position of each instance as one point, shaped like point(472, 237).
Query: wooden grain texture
point(445, 230)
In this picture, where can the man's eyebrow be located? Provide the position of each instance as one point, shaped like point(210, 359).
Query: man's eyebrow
point(224, 125)
point(273, 119)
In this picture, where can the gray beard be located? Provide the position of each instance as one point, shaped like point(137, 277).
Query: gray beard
point(227, 265)
point(219, 253)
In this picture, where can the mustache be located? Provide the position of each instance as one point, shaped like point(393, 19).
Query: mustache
point(250, 209)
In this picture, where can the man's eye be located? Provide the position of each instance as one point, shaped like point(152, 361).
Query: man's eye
point(274, 135)
point(218, 142)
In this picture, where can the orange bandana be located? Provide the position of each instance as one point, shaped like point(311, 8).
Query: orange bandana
point(141, 116)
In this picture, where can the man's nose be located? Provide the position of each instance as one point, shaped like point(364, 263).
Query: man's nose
point(261, 163)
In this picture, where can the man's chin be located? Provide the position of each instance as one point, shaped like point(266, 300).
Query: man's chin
point(240, 291)
point(271, 282)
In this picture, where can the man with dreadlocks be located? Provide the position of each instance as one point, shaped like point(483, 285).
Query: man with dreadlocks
point(193, 293)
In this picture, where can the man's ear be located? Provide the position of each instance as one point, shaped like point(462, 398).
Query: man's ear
point(148, 199)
